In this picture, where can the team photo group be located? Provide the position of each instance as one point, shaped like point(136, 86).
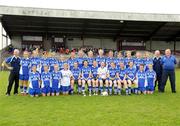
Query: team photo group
point(89, 74)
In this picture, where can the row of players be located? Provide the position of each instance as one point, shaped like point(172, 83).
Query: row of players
point(51, 79)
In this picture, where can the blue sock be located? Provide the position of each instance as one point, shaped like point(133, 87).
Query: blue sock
point(119, 90)
point(110, 90)
point(107, 89)
point(72, 90)
point(115, 90)
point(21, 88)
point(101, 89)
point(94, 89)
point(90, 89)
point(83, 89)
point(97, 89)
point(25, 89)
point(79, 88)
point(127, 91)
point(136, 90)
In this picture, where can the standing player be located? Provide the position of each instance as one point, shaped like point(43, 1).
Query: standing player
point(90, 58)
point(24, 72)
point(36, 60)
point(147, 61)
point(109, 59)
point(119, 59)
point(46, 79)
point(94, 69)
point(100, 58)
point(141, 80)
point(66, 76)
point(122, 79)
point(86, 78)
point(76, 77)
point(138, 60)
point(34, 82)
point(102, 77)
point(56, 78)
point(52, 61)
point(44, 61)
point(72, 60)
point(151, 78)
point(112, 78)
point(80, 58)
point(128, 59)
point(131, 76)
point(61, 62)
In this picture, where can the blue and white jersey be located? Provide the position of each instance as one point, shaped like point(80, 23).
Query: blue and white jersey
point(147, 61)
point(24, 66)
point(37, 62)
point(61, 64)
point(66, 77)
point(86, 72)
point(71, 62)
point(94, 72)
point(141, 78)
point(118, 60)
point(127, 60)
point(151, 77)
point(137, 62)
point(76, 73)
point(112, 72)
point(122, 73)
point(34, 79)
point(52, 62)
point(80, 61)
point(56, 77)
point(100, 59)
point(90, 61)
point(46, 78)
point(131, 73)
point(108, 61)
point(44, 62)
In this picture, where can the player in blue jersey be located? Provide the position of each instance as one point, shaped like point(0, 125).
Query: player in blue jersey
point(119, 59)
point(76, 71)
point(66, 76)
point(72, 60)
point(109, 59)
point(34, 82)
point(24, 72)
point(128, 59)
point(100, 58)
point(36, 60)
point(44, 61)
point(86, 78)
point(151, 78)
point(112, 78)
point(61, 62)
point(52, 61)
point(56, 79)
point(122, 78)
point(90, 58)
point(94, 69)
point(138, 60)
point(80, 58)
point(141, 80)
point(147, 61)
point(131, 76)
point(46, 79)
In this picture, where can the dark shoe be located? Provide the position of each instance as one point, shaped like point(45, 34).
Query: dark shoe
point(173, 91)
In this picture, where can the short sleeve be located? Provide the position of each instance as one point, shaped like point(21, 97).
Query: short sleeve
point(8, 60)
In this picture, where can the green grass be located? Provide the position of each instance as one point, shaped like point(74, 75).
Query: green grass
point(143, 110)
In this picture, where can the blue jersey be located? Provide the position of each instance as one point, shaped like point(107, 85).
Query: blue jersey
point(141, 78)
point(137, 62)
point(80, 61)
point(44, 62)
point(112, 72)
point(24, 66)
point(127, 60)
point(94, 72)
point(147, 61)
point(151, 77)
point(52, 62)
point(46, 79)
point(131, 73)
point(118, 60)
point(61, 64)
point(71, 62)
point(37, 62)
point(108, 61)
point(90, 61)
point(56, 76)
point(100, 59)
point(34, 79)
point(122, 73)
point(76, 73)
point(86, 71)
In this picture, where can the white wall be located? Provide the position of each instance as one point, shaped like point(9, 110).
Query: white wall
point(1, 46)
point(94, 42)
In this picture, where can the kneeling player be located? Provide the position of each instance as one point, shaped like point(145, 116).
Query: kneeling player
point(112, 78)
point(86, 78)
point(141, 80)
point(24, 72)
point(46, 81)
point(151, 77)
point(122, 79)
point(94, 69)
point(56, 77)
point(130, 77)
point(34, 82)
point(66, 76)
point(76, 77)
